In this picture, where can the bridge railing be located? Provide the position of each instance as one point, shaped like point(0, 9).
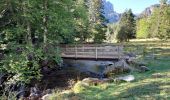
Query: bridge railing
point(92, 51)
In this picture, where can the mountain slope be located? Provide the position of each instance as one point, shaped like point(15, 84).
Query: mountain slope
point(149, 10)
point(109, 12)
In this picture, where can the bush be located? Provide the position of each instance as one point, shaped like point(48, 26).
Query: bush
point(24, 64)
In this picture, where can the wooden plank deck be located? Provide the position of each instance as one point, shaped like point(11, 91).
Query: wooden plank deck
point(92, 51)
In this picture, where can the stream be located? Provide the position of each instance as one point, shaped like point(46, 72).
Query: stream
point(94, 68)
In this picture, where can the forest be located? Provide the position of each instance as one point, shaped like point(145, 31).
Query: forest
point(31, 32)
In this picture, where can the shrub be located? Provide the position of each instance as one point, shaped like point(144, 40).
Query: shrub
point(24, 65)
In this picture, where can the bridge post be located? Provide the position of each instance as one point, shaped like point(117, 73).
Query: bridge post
point(96, 52)
point(75, 51)
point(83, 47)
point(65, 48)
point(118, 53)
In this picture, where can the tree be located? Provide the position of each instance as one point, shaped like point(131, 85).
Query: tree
point(31, 29)
point(164, 21)
point(160, 22)
point(143, 28)
point(127, 22)
point(162, 2)
point(82, 21)
point(97, 20)
point(121, 33)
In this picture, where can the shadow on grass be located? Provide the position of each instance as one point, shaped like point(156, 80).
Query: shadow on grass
point(150, 91)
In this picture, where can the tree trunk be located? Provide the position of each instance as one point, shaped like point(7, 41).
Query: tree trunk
point(28, 26)
point(29, 38)
point(45, 22)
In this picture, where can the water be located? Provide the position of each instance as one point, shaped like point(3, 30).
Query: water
point(95, 68)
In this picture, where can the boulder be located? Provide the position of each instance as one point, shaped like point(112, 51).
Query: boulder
point(80, 86)
point(131, 59)
point(118, 67)
point(74, 98)
point(131, 55)
point(67, 92)
point(35, 93)
point(1, 56)
point(46, 70)
point(2, 78)
point(138, 66)
point(158, 75)
point(46, 97)
point(127, 78)
point(95, 81)
point(143, 68)
point(22, 94)
point(85, 83)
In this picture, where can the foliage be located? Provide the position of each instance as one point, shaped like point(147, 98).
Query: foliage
point(82, 22)
point(143, 28)
point(22, 64)
point(156, 25)
point(164, 22)
point(97, 21)
point(126, 28)
point(24, 30)
point(32, 29)
point(121, 35)
point(100, 36)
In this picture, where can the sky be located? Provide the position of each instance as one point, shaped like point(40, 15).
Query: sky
point(137, 6)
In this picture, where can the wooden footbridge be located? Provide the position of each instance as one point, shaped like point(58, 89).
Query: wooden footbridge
point(92, 51)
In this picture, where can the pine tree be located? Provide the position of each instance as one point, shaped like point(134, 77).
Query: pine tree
point(164, 20)
point(127, 22)
point(97, 20)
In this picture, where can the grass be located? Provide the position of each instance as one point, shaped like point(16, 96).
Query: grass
point(151, 85)
point(144, 87)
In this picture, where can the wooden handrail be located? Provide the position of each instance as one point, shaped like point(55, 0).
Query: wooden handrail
point(94, 51)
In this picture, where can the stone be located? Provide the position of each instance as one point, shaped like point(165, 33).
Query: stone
point(46, 94)
point(143, 68)
point(131, 55)
point(74, 98)
point(2, 75)
point(1, 56)
point(118, 67)
point(35, 93)
point(22, 91)
point(67, 92)
point(127, 78)
point(138, 66)
point(131, 59)
point(95, 81)
point(34, 96)
point(80, 86)
point(46, 97)
point(46, 69)
point(158, 75)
